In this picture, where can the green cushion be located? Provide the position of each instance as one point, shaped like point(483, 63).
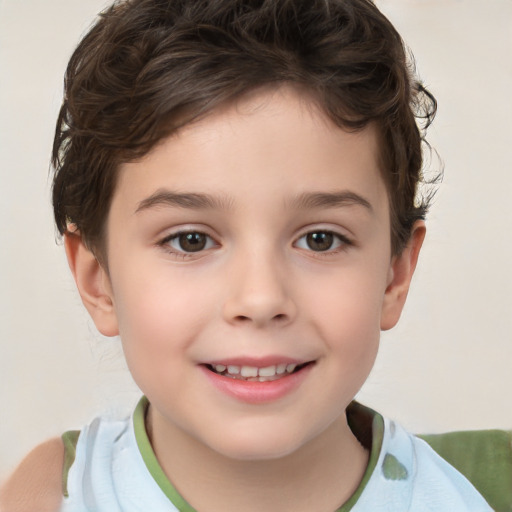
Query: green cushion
point(484, 457)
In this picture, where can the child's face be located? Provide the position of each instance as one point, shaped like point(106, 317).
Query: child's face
point(287, 261)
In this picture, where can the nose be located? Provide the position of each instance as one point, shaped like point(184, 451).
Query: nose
point(259, 292)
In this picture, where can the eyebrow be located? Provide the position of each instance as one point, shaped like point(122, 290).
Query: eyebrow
point(199, 201)
point(187, 200)
point(312, 200)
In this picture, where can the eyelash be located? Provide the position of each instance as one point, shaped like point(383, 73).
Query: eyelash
point(340, 241)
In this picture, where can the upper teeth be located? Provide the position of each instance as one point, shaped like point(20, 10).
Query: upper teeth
point(254, 371)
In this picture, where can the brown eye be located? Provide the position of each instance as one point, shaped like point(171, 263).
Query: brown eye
point(191, 241)
point(320, 240)
point(323, 241)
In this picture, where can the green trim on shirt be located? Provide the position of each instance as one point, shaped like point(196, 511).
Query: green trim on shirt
point(149, 457)
point(484, 457)
point(69, 438)
point(367, 424)
point(359, 419)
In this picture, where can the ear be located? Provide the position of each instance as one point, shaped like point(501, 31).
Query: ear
point(93, 284)
point(400, 276)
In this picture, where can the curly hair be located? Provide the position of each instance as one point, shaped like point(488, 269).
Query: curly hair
point(148, 67)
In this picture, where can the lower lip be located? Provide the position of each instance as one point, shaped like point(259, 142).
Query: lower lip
point(258, 392)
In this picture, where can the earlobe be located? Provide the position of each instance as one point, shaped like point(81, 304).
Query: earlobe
point(93, 284)
point(400, 276)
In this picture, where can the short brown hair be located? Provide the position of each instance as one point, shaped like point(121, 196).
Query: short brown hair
point(148, 67)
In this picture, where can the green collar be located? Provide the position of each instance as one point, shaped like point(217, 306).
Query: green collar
point(367, 425)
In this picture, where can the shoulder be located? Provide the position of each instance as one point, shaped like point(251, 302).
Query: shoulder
point(37, 482)
point(414, 477)
point(453, 490)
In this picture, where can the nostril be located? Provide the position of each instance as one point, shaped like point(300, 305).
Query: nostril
point(281, 317)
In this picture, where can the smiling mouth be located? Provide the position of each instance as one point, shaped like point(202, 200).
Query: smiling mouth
point(255, 374)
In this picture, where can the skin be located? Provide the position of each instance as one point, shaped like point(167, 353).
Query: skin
point(37, 482)
point(260, 287)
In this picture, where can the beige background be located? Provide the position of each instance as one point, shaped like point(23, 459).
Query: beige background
point(447, 365)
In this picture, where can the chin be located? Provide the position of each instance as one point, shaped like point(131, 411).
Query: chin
point(257, 445)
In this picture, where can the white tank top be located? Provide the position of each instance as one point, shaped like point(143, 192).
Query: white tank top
point(115, 469)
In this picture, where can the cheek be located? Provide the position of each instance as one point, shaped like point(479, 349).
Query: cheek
point(349, 305)
point(156, 319)
point(347, 318)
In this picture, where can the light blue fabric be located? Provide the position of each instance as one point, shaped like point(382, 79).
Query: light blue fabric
point(411, 477)
point(109, 475)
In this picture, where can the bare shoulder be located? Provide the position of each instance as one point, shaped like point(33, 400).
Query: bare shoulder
point(36, 484)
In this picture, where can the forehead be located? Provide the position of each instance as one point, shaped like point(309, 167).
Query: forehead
point(266, 144)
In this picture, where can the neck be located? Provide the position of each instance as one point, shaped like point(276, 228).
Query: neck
point(320, 476)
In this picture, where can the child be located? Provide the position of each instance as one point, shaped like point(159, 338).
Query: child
point(236, 184)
